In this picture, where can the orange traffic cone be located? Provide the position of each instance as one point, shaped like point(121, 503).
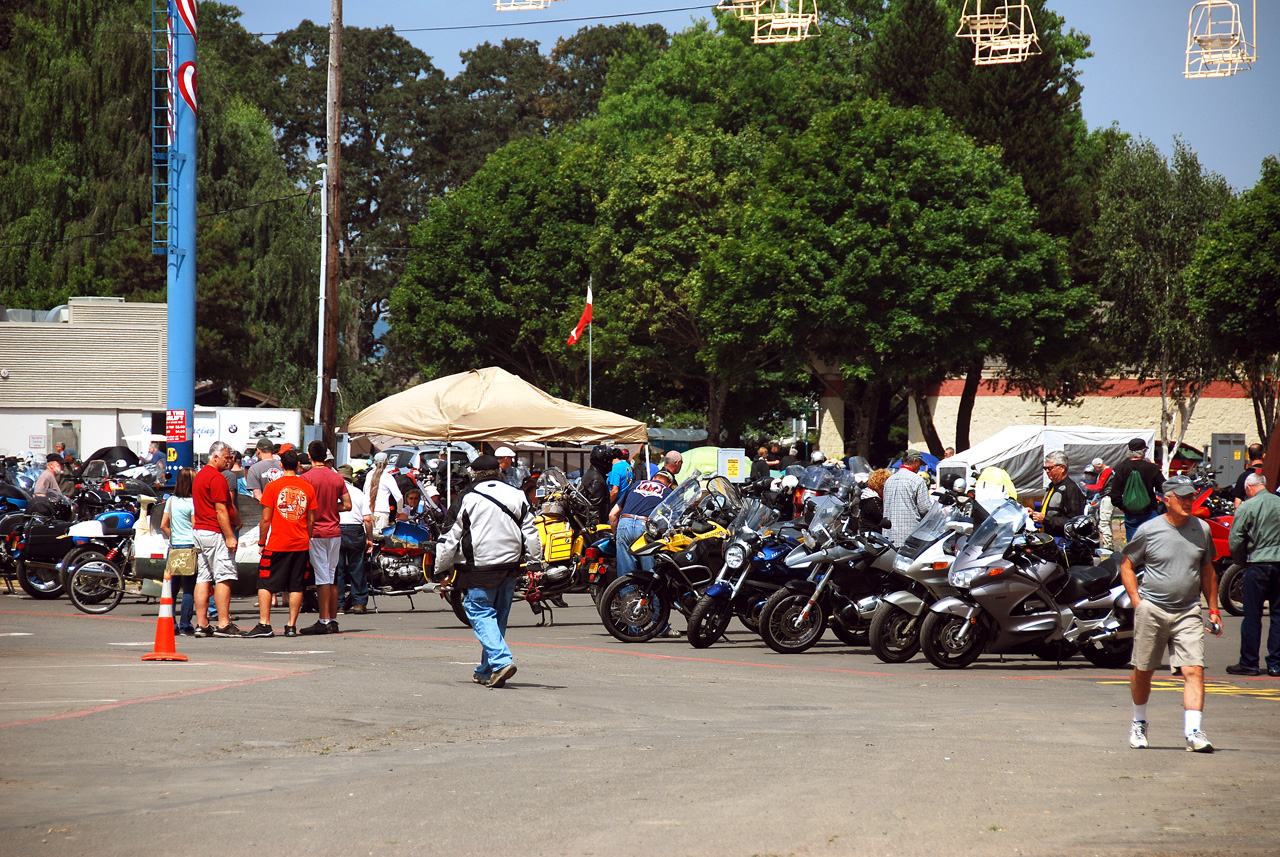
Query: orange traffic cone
point(166, 648)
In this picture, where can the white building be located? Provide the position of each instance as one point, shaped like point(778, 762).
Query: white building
point(88, 378)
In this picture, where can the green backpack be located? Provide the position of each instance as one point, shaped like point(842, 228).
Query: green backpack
point(1136, 498)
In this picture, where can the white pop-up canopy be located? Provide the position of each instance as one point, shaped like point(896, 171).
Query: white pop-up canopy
point(491, 405)
point(1020, 451)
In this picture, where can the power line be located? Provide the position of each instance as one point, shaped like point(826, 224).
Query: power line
point(148, 226)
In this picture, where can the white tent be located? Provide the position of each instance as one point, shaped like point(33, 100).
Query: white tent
point(1020, 451)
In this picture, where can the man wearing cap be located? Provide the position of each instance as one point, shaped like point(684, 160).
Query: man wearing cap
point(326, 537)
point(1102, 487)
point(265, 469)
point(1176, 554)
point(1255, 543)
point(1148, 477)
point(47, 484)
point(506, 460)
point(906, 498)
point(489, 543)
point(356, 526)
point(380, 487)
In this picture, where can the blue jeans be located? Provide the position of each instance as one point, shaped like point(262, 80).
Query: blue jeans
point(351, 566)
point(1261, 583)
point(487, 610)
point(186, 584)
point(1133, 521)
point(630, 529)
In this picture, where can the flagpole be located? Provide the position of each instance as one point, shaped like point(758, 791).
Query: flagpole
point(590, 348)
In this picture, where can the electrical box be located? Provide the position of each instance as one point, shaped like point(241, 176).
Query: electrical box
point(1228, 455)
point(733, 464)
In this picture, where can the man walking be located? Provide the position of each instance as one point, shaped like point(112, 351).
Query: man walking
point(1176, 553)
point(215, 521)
point(488, 544)
point(1134, 487)
point(326, 538)
point(288, 521)
point(356, 527)
point(1102, 488)
point(1255, 542)
point(906, 498)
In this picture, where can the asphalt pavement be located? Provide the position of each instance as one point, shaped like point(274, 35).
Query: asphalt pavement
point(376, 741)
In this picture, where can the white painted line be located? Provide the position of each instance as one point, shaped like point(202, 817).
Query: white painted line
point(17, 634)
point(303, 652)
point(128, 644)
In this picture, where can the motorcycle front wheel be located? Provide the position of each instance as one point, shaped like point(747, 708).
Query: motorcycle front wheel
point(40, 585)
point(94, 584)
point(635, 610)
point(946, 644)
point(708, 621)
point(781, 624)
point(895, 634)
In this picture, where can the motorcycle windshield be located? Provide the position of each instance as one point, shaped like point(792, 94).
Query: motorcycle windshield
point(858, 464)
point(722, 497)
point(825, 525)
point(931, 528)
point(996, 533)
point(819, 479)
point(551, 480)
point(754, 516)
point(95, 471)
point(665, 515)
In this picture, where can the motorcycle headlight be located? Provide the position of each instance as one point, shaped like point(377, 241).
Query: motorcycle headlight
point(901, 563)
point(962, 578)
point(736, 556)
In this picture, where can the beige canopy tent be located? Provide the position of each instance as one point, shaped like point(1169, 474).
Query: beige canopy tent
point(490, 405)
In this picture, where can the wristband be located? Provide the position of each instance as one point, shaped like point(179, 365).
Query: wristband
point(1214, 613)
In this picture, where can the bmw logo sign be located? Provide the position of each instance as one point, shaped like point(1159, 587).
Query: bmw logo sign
point(232, 428)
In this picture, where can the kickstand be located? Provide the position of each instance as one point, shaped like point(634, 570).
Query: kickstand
point(411, 607)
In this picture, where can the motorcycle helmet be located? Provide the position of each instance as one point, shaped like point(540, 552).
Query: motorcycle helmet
point(1081, 528)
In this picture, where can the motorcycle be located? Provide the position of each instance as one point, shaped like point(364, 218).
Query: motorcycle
point(920, 567)
point(754, 569)
point(401, 560)
point(685, 536)
point(569, 532)
point(1016, 593)
point(849, 571)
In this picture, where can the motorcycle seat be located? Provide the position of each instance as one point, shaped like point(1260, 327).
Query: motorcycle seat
point(1091, 580)
point(113, 533)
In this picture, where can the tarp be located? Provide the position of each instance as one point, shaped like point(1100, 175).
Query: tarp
point(491, 405)
point(1020, 451)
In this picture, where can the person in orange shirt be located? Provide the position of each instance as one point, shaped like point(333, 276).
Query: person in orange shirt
point(288, 518)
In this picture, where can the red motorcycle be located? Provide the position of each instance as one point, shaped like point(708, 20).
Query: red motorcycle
point(1216, 507)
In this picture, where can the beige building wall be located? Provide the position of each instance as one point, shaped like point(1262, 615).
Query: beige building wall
point(1224, 409)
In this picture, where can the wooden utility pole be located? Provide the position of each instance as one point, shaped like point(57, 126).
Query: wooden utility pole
point(333, 139)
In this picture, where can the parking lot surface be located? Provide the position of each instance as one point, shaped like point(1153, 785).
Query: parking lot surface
point(376, 741)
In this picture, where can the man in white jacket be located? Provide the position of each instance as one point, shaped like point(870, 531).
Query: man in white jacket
point(491, 542)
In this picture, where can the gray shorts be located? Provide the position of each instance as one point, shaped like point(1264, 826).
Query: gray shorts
point(324, 558)
point(1155, 628)
point(214, 563)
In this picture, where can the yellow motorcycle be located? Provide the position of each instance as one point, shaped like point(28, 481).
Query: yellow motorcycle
point(686, 537)
point(572, 559)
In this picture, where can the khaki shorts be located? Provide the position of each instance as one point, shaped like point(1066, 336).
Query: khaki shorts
point(1155, 628)
point(213, 561)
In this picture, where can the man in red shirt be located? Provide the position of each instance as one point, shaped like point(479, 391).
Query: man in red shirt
point(288, 517)
point(215, 523)
point(326, 539)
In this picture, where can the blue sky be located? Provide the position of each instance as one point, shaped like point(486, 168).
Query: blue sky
point(1134, 78)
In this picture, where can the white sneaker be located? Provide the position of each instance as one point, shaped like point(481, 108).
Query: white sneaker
point(1138, 735)
point(1198, 742)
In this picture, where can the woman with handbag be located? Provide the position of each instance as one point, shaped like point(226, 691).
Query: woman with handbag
point(181, 566)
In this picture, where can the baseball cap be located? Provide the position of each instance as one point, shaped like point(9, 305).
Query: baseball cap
point(432, 491)
point(1137, 444)
point(1180, 485)
point(504, 452)
point(911, 455)
point(304, 458)
point(285, 447)
point(485, 462)
point(1098, 463)
point(53, 456)
point(265, 444)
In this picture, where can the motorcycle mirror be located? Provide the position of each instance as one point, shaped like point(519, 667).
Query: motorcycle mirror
point(947, 500)
point(886, 524)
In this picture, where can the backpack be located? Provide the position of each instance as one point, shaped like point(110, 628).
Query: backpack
point(1136, 498)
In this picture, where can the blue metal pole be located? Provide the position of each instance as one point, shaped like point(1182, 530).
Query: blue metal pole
point(180, 398)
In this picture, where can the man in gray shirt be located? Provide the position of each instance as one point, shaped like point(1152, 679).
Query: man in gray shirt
point(1175, 552)
point(265, 469)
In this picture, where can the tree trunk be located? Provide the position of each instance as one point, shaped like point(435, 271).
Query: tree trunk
point(920, 392)
point(964, 416)
point(862, 398)
point(717, 397)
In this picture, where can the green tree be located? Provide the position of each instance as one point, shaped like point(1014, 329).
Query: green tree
point(1234, 285)
point(1152, 212)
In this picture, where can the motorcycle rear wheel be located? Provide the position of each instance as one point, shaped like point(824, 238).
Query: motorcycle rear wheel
point(782, 628)
point(1109, 654)
point(455, 601)
point(634, 611)
point(40, 585)
point(895, 634)
point(941, 642)
point(708, 621)
point(1231, 590)
point(94, 584)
